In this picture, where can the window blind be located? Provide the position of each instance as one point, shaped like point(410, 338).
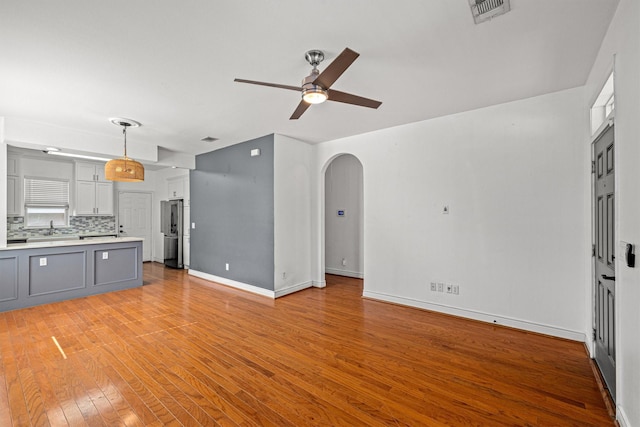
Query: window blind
point(46, 192)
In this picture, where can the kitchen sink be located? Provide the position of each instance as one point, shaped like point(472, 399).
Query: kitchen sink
point(51, 238)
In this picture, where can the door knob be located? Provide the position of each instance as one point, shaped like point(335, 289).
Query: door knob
point(605, 277)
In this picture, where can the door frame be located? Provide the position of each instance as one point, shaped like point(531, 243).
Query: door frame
point(360, 243)
point(117, 209)
point(321, 282)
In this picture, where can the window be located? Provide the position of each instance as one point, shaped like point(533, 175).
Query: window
point(604, 105)
point(46, 202)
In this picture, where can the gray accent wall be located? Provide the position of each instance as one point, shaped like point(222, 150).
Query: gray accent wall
point(232, 205)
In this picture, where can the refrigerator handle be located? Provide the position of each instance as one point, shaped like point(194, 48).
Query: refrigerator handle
point(164, 206)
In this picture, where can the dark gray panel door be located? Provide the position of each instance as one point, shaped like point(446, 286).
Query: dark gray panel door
point(604, 258)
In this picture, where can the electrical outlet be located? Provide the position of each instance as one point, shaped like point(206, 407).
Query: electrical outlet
point(226, 266)
point(105, 255)
point(434, 286)
point(449, 289)
point(440, 287)
point(43, 262)
point(456, 289)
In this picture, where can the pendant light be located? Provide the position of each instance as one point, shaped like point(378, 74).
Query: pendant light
point(124, 169)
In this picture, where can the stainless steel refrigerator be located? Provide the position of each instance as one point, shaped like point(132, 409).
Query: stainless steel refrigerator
point(171, 227)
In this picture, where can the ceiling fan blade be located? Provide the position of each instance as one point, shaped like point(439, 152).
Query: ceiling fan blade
point(336, 68)
point(347, 98)
point(253, 82)
point(302, 107)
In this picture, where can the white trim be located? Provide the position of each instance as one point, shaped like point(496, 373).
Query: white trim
point(347, 273)
point(293, 288)
point(319, 283)
point(622, 418)
point(476, 315)
point(233, 283)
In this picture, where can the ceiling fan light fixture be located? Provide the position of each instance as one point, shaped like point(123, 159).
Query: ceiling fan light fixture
point(314, 95)
point(124, 169)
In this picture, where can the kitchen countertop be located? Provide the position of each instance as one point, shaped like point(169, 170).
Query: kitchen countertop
point(72, 242)
point(22, 239)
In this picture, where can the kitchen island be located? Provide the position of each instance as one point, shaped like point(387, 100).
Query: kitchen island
point(46, 271)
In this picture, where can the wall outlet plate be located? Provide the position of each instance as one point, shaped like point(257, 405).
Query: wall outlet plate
point(105, 255)
point(434, 286)
point(440, 287)
point(43, 262)
point(449, 289)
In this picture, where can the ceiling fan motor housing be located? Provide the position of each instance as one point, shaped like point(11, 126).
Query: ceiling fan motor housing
point(313, 93)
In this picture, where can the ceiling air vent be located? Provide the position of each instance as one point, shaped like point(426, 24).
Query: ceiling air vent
point(484, 10)
point(208, 139)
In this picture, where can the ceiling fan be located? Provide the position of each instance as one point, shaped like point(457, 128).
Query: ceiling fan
point(316, 86)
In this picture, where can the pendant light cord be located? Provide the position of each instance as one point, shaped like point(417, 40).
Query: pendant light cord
point(124, 131)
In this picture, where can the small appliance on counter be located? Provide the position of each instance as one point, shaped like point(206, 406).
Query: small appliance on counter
point(171, 227)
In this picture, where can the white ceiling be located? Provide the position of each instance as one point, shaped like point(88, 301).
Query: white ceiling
point(171, 64)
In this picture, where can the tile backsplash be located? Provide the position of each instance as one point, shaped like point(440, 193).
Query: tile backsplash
point(77, 225)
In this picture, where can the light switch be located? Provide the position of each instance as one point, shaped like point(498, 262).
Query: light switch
point(105, 255)
point(43, 262)
point(193, 225)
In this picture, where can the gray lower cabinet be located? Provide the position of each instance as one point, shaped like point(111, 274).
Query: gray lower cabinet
point(33, 276)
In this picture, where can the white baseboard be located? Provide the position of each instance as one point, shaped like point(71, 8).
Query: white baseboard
point(476, 315)
point(233, 283)
point(319, 283)
point(347, 273)
point(622, 418)
point(293, 288)
point(251, 288)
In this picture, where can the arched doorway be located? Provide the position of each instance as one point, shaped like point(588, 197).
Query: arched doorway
point(344, 217)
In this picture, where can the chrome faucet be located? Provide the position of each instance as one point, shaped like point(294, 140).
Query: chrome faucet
point(50, 231)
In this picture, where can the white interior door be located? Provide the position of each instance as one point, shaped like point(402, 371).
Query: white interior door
point(134, 219)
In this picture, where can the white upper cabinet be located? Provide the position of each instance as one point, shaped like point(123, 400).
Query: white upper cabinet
point(90, 172)
point(13, 165)
point(94, 194)
point(14, 186)
point(14, 196)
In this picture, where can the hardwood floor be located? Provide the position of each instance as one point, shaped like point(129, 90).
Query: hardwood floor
point(183, 351)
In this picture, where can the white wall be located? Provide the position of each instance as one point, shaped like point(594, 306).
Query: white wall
point(344, 234)
point(35, 167)
point(621, 50)
point(512, 177)
point(292, 215)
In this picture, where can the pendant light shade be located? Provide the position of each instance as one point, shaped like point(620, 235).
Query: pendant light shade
point(124, 169)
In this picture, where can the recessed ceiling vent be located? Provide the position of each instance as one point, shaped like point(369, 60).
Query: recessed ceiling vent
point(208, 139)
point(484, 10)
